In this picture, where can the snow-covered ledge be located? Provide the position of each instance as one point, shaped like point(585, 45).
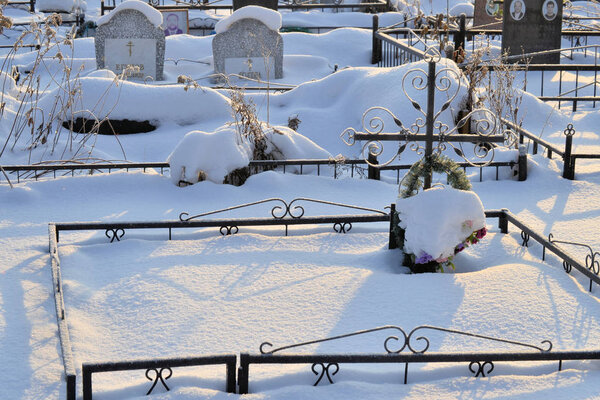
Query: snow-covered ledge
point(154, 16)
point(271, 18)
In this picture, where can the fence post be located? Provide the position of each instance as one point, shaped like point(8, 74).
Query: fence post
point(101, 7)
point(243, 374)
point(459, 38)
point(522, 163)
point(373, 172)
point(392, 241)
point(503, 221)
point(87, 382)
point(32, 6)
point(375, 54)
point(231, 381)
point(568, 161)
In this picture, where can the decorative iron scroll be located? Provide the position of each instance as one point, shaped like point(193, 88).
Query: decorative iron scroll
point(405, 340)
point(419, 345)
point(158, 376)
point(342, 227)
point(525, 236)
point(229, 230)
point(324, 371)
point(282, 210)
point(447, 81)
point(115, 234)
point(480, 371)
point(592, 259)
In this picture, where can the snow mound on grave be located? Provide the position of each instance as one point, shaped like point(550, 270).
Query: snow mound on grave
point(221, 152)
point(438, 219)
point(271, 18)
point(102, 73)
point(103, 97)
point(60, 5)
point(153, 15)
point(462, 8)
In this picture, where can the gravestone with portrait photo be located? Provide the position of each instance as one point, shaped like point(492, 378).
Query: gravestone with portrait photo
point(248, 44)
point(175, 22)
point(272, 4)
point(131, 38)
point(487, 14)
point(532, 26)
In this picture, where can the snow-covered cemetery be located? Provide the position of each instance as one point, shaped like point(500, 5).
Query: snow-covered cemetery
point(300, 199)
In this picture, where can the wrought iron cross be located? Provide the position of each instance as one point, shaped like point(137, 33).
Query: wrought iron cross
point(482, 120)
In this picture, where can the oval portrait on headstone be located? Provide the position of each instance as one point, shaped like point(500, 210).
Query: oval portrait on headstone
point(491, 8)
point(517, 9)
point(550, 9)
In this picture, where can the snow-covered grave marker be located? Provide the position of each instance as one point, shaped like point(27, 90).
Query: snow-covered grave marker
point(529, 26)
point(248, 44)
point(448, 81)
point(487, 14)
point(131, 36)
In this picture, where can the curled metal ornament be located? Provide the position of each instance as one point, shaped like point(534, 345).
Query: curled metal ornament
point(418, 81)
point(592, 259)
point(570, 131)
point(342, 227)
point(592, 263)
point(115, 234)
point(480, 371)
point(525, 237)
point(325, 371)
point(280, 211)
point(417, 344)
point(229, 230)
point(158, 376)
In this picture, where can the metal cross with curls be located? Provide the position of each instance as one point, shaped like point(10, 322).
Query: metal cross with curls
point(483, 123)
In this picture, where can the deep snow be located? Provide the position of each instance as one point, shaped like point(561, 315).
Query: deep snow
point(203, 293)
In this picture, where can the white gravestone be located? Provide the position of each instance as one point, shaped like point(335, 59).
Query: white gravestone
point(248, 44)
point(131, 36)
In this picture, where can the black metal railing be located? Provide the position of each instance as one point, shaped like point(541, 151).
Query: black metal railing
point(157, 370)
point(569, 158)
point(61, 316)
point(30, 3)
point(355, 168)
point(401, 45)
point(292, 213)
point(373, 6)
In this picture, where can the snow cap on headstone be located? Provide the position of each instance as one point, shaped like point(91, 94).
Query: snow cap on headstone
point(271, 18)
point(154, 16)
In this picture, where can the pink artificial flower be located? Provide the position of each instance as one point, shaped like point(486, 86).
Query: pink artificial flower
point(481, 233)
point(441, 259)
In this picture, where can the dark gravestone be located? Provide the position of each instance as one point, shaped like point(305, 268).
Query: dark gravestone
point(487, 14)
point(272, 4)
point(530, 26)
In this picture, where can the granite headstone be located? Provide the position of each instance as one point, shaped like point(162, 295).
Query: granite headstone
point(531, 26)
point(129, 38)
point(249, 48)
point(487, 14)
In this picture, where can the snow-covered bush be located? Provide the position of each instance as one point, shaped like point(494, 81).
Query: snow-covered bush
point(215, 156)
point(437, 224)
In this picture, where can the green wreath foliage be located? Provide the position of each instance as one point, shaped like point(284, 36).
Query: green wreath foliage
point(413, 181)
